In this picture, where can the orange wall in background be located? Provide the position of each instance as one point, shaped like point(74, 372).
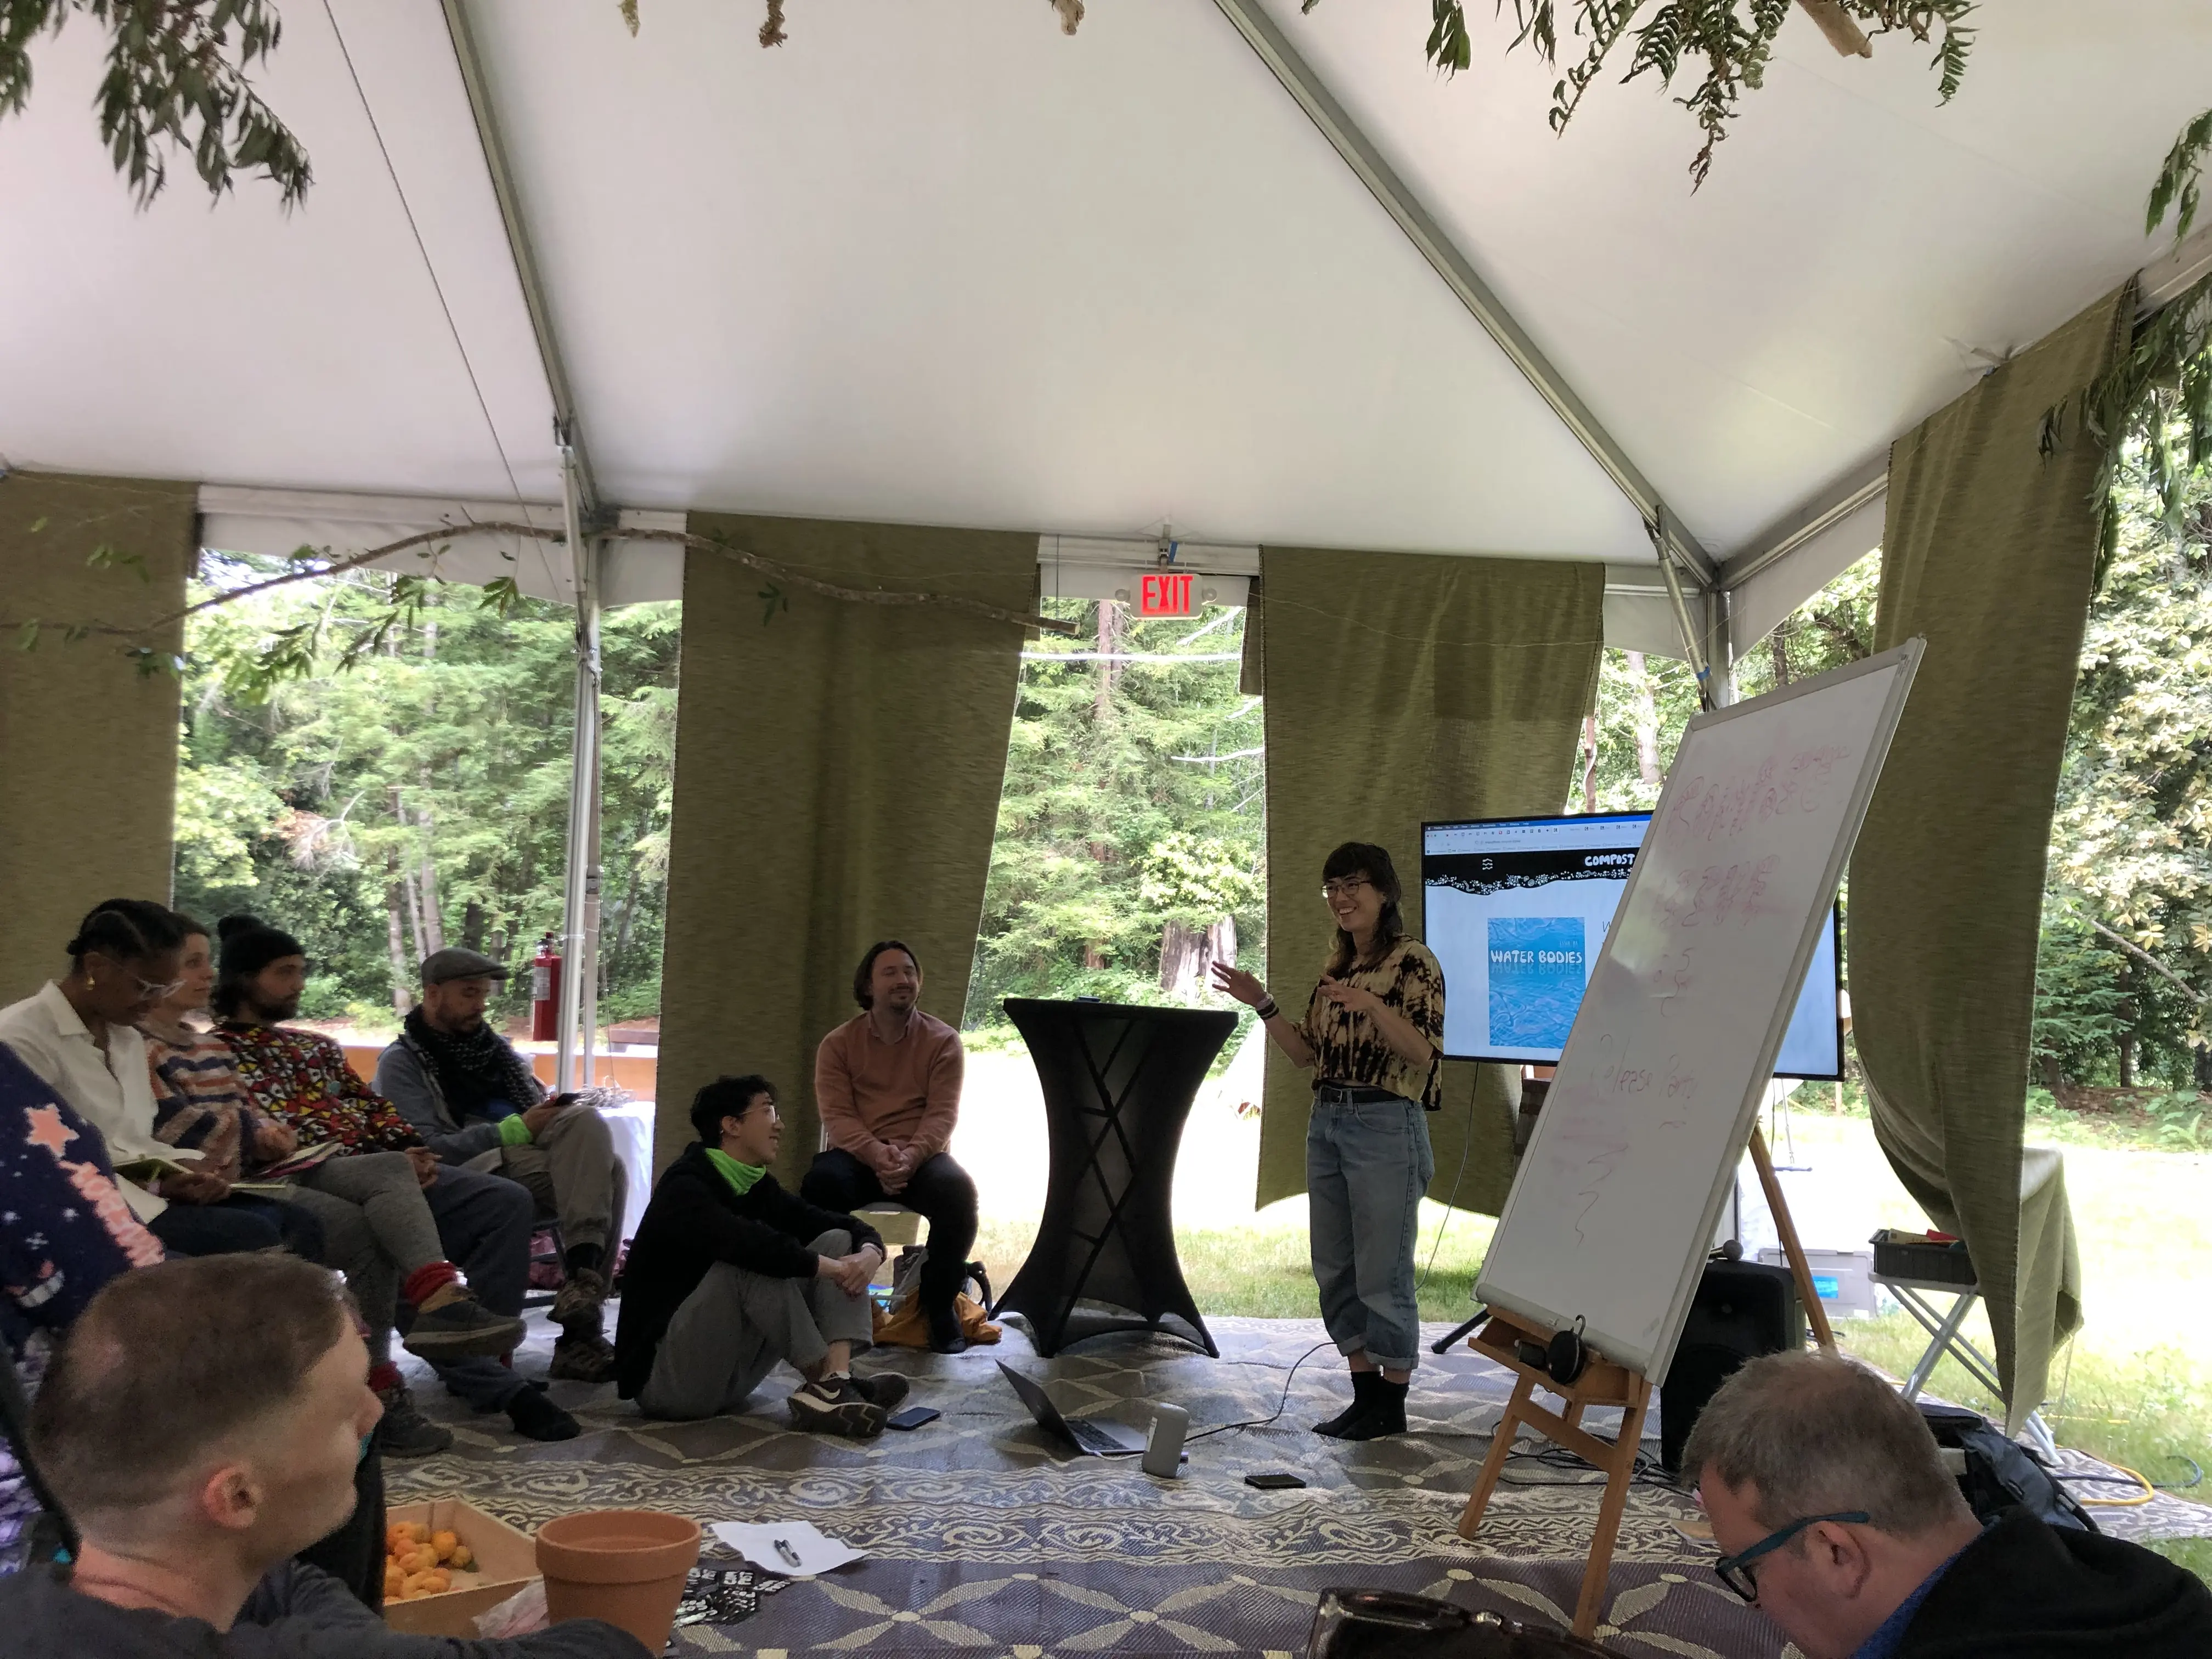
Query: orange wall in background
point(635, 1073)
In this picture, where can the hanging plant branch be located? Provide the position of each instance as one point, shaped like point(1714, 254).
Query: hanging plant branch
point(2156, 397)
point(1731, 41)
point(176, 77)
point(291, 652)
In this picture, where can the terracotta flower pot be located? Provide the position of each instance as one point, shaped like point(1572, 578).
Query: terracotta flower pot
point(626, 1566)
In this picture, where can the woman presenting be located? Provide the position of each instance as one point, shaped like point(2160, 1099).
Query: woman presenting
point(1370, 1034)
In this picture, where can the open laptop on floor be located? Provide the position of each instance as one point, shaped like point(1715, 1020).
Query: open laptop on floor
point(1096, 1436)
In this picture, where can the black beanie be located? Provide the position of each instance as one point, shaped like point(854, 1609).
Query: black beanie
point(249, 944)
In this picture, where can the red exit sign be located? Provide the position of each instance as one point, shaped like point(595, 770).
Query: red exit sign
point(1165, 593)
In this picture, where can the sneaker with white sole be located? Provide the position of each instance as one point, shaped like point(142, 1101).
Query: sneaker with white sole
point(834, 1406)
point(884, 1389)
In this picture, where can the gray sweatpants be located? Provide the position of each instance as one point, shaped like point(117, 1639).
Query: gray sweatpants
point(377, 1230)
point(573, 1172)
point(731, 1331)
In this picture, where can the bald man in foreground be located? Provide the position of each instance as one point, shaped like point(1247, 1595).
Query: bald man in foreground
point(1835, 1519)
point(200, 1424)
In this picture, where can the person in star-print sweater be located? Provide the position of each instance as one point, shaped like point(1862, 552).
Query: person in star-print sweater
point(65, 1232)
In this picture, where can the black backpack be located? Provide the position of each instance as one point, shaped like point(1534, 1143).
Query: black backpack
point(2002, 1476)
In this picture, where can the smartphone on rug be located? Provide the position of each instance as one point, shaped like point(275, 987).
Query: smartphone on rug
point(912, 1417)
point(1274, 1482)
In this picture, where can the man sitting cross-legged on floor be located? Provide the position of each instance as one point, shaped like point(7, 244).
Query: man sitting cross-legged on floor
point(888, 1086)
point(729, 1273)
point(475, 1102)
point(377, 1225)
point(301, 1077)
point(200, 1424)
point(1838, 1521)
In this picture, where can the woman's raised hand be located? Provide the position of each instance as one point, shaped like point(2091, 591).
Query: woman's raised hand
point(1245, 987)
point(1344, 995)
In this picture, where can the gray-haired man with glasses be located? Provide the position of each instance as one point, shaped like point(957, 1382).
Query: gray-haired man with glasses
point(1837, 1519)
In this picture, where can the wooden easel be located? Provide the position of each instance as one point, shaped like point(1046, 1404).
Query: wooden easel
point(1605, 1384)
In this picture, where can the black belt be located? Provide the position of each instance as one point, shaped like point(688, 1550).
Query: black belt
point(1359, 1093)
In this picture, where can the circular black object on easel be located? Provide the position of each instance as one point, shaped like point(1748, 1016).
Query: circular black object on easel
point(1567, 1356)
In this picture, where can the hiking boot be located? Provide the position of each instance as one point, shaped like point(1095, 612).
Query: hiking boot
point(582, 1360)
point(537, 1418)
point(884, 1389)
point(454, 1325)
point(577, 1309)
point(403, 1431)
point(834, 1406)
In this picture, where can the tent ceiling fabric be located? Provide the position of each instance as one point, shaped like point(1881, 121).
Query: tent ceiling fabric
point(939, 262)
point(1752, 345)
point(239, 345)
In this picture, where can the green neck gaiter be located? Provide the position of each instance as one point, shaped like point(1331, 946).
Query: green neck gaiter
point(741, 1176)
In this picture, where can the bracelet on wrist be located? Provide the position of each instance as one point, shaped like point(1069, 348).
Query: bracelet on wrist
point(1269, 1009)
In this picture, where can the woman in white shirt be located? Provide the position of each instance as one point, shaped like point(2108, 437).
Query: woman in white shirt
point(80, 1033)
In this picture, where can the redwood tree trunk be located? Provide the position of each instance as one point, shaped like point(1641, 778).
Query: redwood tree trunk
point(1647, 723)
point(395, 899)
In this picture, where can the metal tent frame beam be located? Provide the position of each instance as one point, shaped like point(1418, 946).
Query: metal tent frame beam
point(2158, 285)
point(1282, 60)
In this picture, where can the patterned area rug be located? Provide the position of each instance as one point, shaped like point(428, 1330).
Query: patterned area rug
point(983, 1533)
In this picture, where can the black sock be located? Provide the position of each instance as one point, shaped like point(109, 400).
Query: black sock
point(583, 1258)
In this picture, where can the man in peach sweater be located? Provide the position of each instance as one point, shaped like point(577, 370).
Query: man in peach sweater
point(887, 1084)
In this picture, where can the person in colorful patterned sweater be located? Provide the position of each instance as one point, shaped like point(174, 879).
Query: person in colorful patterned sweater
point(377, 1225)
point(303, 1078)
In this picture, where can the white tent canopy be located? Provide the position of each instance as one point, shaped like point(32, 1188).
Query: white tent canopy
point(937, 262)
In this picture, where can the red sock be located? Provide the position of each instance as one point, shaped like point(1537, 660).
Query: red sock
point(430, 1277)
point(384, 1374)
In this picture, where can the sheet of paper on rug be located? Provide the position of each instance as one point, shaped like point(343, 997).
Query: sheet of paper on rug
point(817, 1551)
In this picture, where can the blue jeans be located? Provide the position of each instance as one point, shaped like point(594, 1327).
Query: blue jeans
point(1367, 1165)
point(484, 1222)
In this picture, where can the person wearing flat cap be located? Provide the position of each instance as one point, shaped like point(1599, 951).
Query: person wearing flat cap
point(475, 1102)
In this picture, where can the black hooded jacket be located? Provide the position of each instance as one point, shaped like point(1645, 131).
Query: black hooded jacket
point(2027, 1590)
point(694, 1220)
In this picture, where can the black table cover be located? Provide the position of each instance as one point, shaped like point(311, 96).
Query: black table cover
point(1118, 1083)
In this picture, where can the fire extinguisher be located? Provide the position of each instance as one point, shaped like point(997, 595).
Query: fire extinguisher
point(545, 992)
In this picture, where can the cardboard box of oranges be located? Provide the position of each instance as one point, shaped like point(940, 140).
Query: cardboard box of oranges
point(445, 1561)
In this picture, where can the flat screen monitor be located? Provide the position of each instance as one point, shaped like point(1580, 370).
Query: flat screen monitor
point(1517, 909)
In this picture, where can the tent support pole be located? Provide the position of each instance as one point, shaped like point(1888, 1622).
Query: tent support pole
point(579, 913)
point(1709, 695)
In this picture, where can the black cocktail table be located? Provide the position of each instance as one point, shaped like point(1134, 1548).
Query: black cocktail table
point(1118, 1084)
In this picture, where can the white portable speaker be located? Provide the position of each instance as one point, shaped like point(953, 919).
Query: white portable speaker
point(1163, 1443)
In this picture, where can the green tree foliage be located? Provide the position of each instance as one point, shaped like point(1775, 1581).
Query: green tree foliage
point(1133, 806)
point(419, 797)
point(2080, 1003)
point(2131, 839)
point(176, 76)
point(1728, 42)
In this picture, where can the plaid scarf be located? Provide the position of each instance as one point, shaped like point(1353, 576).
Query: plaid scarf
point(476, 1066)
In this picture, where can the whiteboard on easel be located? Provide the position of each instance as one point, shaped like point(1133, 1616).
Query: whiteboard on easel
point(1612, 1212)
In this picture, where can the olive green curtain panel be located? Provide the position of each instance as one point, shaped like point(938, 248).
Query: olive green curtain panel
point(87, 743)
point(1989, 553)
point(838, 768)
point(1400, 689)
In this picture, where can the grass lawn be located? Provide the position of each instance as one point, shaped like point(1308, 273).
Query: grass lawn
point(2134, 1388)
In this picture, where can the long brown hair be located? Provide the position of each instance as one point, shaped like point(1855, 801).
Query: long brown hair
point(1361, 858)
